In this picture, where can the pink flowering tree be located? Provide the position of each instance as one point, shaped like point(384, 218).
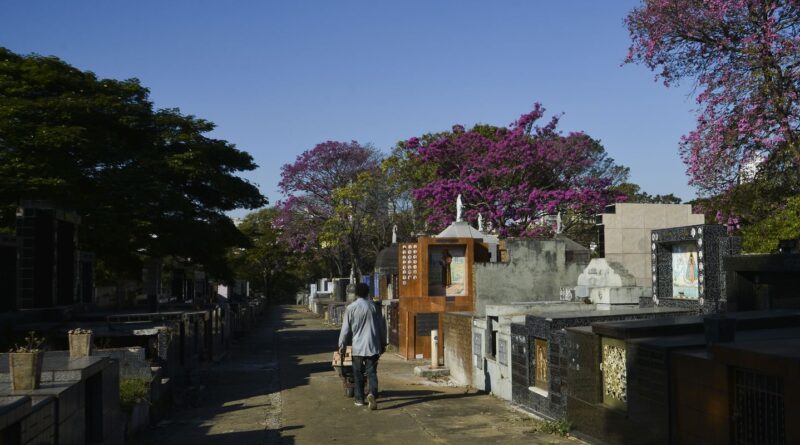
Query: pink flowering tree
point(744, 58)
point(515, 176)
point(311, 217)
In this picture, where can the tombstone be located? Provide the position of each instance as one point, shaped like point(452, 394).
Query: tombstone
point(769, 281)
point(312, 295)
point(178, 284)
point(607, 284)
point(8, 273)
point(350, 291)
point(47, 268)
point(340, 289)
point(201, 288)
point(86, 278)
point(687, 266)
point(151, 277)
point(386, 272)
point(624, 233)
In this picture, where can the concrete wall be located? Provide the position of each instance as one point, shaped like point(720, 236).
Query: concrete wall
point(457, 328)
point(498, 368)
point(536, 271)
point(478, 357)
point(492, 373)
point(626, 233)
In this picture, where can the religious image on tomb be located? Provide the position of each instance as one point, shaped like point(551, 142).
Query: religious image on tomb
point(540, 347)
point(447, 272)
point(684, 271)
point(457, 284)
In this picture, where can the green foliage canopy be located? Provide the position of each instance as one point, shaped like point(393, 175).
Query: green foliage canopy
point(145, 181)
point(267, 262)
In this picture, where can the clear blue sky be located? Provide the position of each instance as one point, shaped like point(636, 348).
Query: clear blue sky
point(278, 77)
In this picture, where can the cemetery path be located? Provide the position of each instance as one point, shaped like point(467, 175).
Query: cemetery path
point(233, 402)
point(411, 410)
point(277, 387)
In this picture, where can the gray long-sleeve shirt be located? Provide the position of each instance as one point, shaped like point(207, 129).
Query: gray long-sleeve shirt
point(365, 323)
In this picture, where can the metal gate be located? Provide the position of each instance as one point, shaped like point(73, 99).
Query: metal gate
point(758, 409)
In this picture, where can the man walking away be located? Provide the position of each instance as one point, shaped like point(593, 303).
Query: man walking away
point(364, 323)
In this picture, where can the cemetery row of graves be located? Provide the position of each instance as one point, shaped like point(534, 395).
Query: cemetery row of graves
point(666, 333)
point(95, 364)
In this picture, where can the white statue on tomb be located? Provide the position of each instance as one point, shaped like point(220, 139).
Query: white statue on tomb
point(394, 234)
point(459, 208)
point(480, 222)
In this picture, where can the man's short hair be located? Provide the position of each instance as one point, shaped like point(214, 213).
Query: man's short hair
point(362, 290)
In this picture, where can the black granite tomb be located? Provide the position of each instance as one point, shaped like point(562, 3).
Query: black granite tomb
point(48, 256)
point(8, 273)
point(755, 282)
point(549, 400)
point(687, 266)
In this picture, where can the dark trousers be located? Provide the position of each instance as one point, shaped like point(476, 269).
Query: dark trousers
point(369, 366)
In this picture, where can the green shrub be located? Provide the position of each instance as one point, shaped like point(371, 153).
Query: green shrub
point(131, 392)
point(558, 427)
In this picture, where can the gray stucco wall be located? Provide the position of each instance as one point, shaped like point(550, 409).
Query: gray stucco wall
point(536, 271)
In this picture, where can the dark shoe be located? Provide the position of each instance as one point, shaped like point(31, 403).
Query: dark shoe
point(373, 404)
point(359, 403)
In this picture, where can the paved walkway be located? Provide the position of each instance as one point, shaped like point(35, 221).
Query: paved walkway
point(277, 387)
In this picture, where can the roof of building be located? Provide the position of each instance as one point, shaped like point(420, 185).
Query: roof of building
point(462, 229)
point(386, 260)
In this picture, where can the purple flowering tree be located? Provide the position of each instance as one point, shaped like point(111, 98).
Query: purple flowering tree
point(312, 186)
point(515, 176)
point(744, 57)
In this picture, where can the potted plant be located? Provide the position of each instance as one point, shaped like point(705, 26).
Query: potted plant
point(80, 343)
point(25, 363)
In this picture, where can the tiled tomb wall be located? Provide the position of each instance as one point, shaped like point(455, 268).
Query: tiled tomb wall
point(550, 402)
point(712, 244)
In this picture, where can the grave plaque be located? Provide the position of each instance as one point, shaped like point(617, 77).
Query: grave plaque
point(502, 352)
point(409, 263)
point(614, 368)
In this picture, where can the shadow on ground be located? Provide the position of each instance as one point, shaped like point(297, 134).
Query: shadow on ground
point(390, 399)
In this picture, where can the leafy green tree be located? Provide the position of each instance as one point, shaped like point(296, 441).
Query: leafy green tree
point(145, 181)
point(267, 262)
point(405, 172)
point(318, 190)
point(364, 212)
point(763, 236)
point(633, 193)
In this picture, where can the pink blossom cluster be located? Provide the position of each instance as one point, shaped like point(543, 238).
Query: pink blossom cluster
point(745, 59)
point(515, 176)
point(309, 184)
point(732, 222)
